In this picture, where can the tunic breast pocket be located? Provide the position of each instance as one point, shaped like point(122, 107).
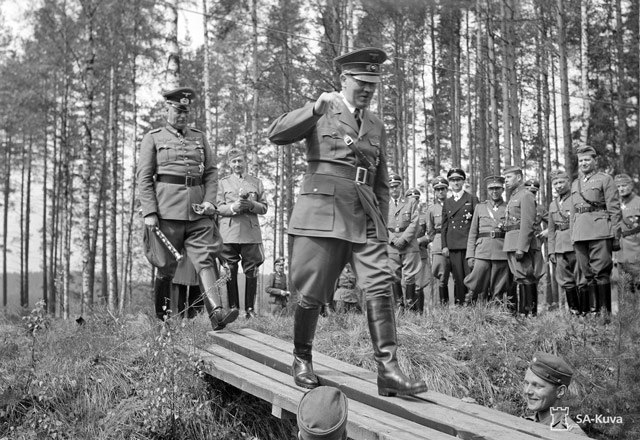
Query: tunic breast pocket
point(406, 216)
point(329, 139)
point(315, 208)
point(166, 154)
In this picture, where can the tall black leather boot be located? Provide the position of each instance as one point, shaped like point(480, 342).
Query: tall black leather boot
point(521, 301)
point(162, 294)
point(444, 295)
point(410, 292)
point(211, 297)
point(512, 298)
point(382, 326)
point(232, 287)
point(251, 285)
point(398, 295)
point(583, 299)
point(594, 299)
point(181, 299)
point(420, 300)
point(604, 297)
point(573, 301)
point(304, 329)
point(531, 299)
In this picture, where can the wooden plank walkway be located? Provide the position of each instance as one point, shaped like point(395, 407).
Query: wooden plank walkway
point(260, 365)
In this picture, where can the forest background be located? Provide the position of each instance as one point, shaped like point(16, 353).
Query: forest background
point(480, 84)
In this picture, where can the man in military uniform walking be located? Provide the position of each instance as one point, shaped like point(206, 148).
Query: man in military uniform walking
point(440, 266)
point(489, 275)
point(340, 215)
point(595, 214)
point(561, 252)
point(404, 258)
point(177, 181)
point(457, 212)
point(240, 201)
point(520, 243)
point(628, 257)
point(424, 277)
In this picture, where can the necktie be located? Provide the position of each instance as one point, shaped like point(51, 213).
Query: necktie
point(356, 115)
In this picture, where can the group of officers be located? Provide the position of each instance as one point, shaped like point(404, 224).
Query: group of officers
point(493, 249)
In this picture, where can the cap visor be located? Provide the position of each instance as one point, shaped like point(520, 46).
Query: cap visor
point(367, 78)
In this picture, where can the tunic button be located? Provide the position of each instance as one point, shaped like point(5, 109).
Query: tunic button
point(315, 189)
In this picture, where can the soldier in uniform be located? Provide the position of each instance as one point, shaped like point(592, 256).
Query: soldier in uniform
point(348, 296)
point(595, 214)
point(340, 215)
point(546, 384)
point(440, 266)
point(561, 252)
point(541, 232)
point(404, 257)
point(424, 277)
point(520, 243)
point(177, 181)
point(628, 257)
point(457, 212)
point(240, 201)
point(277, 289)
point(489, 275)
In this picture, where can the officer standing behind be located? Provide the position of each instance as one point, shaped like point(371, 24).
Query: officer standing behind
point(424, 277)
point(277, 289)
point(240, 201)
point(561, 252)
point(177, 180)
point(404, 257)
point(595, 214)
point(457, 212)
point(520, 243)
point(340, 215)
point(628, 257)
point(440, 266)
point(490, 275)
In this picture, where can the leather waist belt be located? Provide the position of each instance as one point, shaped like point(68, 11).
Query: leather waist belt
point(631, 231)
point(179, 180)
point(562, 226)
point(492, 234)
point(359, 175)
point(398, 229)
point(583, 209)
point(512, 228)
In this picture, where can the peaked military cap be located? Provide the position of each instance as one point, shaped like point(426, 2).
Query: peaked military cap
point(180, 98)
point(395, 179)
point(532, 184)
point(279, 260)
point(413, 192)
point(551, 368)
point(362, 64)
point(586, 150)
point(494, 181)
point(512, 169)
point(456, 173)
point(322, 414)
point(440, 182)
point(559, 174)
point(234, 152)
point(622, 179)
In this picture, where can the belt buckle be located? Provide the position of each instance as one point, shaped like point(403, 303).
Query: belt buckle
point(189, 180)
point(362, 175)
point(492, 234)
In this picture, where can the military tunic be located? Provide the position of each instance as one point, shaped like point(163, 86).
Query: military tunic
point(456, 222)
point(629, 252)
point(519, 219)
point(440, 267)
point(490, 273)
point(341, 211)
point(175, 171)
point(595, 214)
point(404, 215)
point(276, 287)
point(241, 232)
point(567, 272)
point(424, 278)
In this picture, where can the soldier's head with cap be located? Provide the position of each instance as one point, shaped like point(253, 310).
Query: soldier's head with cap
point(360, 72)
point(495, 187)
point(395, 185)
point(586, 159)
point(413, 193)
point(440, 186)
point(178, 103)
point(236, 158)
point(624, 183)
point(512, 177)
point(322, 414)
point(456, 177)
point(561, 182)
point(278, 264)
point(546, 381)
point(532, 185)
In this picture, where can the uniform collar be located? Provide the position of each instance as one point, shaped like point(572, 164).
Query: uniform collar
point(351, 107)
point(458, 195)
point(175, 131)
point(589, 176)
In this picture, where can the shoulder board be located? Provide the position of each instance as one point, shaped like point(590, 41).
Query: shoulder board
point(156, 130)
point(225, 177)
point(196, 130)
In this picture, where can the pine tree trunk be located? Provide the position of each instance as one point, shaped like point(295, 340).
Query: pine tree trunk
point(584, 71)
point(112, 200)
point(564, 88)
point(621, 89)
point(5, 217)
point(172, 77)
